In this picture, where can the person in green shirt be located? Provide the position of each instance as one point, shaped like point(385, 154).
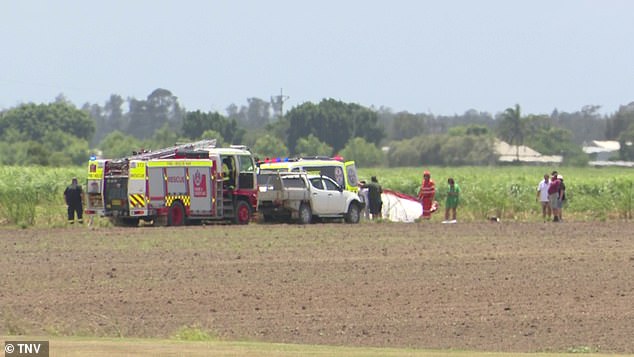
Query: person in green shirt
point(453, 197)
point(374, 197)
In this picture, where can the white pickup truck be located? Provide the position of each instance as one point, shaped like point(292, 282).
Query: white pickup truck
point(302, 197)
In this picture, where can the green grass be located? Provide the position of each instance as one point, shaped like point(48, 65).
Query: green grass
point(97, 347)
point(194, 333)
point(593, 194)
point(33, 196)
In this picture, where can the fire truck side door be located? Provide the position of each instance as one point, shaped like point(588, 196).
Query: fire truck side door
point(156, 185)
point(246, 177)
point(200, 189)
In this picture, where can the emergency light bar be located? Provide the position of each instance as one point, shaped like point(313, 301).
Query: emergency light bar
point(295, 159)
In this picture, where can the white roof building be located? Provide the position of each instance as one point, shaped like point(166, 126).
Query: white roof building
point(509, 153)
point(604, 152)
point(602, 149)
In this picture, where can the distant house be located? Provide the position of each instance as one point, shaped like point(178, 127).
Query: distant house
point(606, 163)
point(602, 150)
point(510, 153)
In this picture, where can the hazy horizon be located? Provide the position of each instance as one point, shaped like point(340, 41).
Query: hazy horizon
point(433, 57)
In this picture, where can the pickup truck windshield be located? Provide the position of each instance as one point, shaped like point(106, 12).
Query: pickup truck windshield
point(294, 182)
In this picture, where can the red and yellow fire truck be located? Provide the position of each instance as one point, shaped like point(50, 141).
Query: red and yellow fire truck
point(188, 183)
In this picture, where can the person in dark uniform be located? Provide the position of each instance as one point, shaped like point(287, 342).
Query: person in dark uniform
point(74, 196)
point(374, 198)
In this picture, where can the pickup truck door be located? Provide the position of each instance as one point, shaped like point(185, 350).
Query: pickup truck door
point(336, 198)
point(319, 197)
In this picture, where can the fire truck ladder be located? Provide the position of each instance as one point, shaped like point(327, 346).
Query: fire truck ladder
point(172, 150)
point(219, 199)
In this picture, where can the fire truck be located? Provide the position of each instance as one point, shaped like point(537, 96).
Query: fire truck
point(94, 187)
point(185, 184)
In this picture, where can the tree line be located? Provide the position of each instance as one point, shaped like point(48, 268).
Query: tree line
point(58, 133)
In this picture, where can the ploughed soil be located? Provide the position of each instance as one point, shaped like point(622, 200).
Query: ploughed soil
point(471, 286)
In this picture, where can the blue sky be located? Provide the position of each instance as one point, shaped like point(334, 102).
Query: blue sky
point(443, 57)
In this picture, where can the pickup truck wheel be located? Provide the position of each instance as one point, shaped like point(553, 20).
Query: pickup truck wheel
point(305, 214)
point(354, 213)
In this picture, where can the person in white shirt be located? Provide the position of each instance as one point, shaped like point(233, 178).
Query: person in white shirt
point(363, 196)
point(542, 197)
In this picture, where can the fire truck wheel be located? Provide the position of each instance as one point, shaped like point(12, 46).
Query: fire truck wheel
point(176, 214)
point(243, 212)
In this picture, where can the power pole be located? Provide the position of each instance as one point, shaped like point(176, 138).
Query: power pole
point(278, 102)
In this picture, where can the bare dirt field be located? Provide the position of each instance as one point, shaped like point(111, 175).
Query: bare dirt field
point(472, 286)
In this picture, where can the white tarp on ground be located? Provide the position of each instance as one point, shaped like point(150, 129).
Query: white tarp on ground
point(399, 207)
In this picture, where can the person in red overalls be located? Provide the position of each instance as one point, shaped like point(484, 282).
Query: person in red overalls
point(426, 194)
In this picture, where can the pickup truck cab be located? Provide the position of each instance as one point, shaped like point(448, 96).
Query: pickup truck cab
point(303, 197)
point(344, 173)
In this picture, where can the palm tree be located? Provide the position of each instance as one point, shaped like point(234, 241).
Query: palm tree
point(512, 128)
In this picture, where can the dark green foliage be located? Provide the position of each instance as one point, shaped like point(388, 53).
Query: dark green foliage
point(421, 150)
point(557, 141)
point(54, 134)
point(269, 146)
point(406, 126)
point(445, 149)
point(164, 137)
point(540, 133)
point(196, 123)
point(543, 136)
point(620, 122)
point(468, 150)
point(118, 145)
point(311, 146)
point(512, 127)
point(254, 116)
point(626, 140)
point(585, 125)
point(333, 122)
point(159, 109)
point(34, 121)
point(364, 154)
point(29, 130)
point(214, 135)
